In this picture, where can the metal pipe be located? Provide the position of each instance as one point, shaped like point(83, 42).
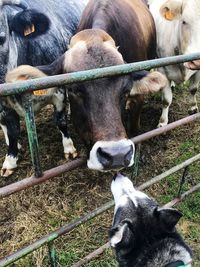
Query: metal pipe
point(183, 196)
point(32, 137)
point(59, 80)
point(52, 254)
point(51, 237)
point(31, 181)
point(92, 255)
point(164, 129)
point(170, 171)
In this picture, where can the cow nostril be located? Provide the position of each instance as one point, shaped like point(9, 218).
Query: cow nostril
point(128, 156)
point(104, 157)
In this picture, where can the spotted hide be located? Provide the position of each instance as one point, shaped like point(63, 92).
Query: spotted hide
point(21, 24)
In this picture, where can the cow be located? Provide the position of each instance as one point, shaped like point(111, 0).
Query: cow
point(35, 33)
point(110, 33)
point(177, 26)
point(143, 234)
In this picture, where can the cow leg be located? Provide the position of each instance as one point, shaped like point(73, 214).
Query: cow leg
point(193, 100)
point(61, 122)
point(166, 102)
point(10, 124)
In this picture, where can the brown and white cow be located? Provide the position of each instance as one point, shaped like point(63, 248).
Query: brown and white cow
point(110, 33)
point(178, 27)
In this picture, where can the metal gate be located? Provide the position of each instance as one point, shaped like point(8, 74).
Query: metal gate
point(40, 176)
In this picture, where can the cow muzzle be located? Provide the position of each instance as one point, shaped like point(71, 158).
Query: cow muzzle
point(109, 155)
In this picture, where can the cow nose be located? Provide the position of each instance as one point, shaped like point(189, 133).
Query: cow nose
point(114, 157)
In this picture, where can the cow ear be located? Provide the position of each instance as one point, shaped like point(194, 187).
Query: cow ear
point(30, 23)
point(148, 82)
point(171, 9)
point(167, 218)
point(23, 72)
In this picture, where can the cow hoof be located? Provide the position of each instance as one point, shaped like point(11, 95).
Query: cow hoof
point(193, 111)
point(71, 155)
point(7, 172)
point(9, 165)
point(69, 149)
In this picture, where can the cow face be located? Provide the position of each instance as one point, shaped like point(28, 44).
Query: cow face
point(137, 219)
point(21, 22)
point(96, 106)
point(186, 13)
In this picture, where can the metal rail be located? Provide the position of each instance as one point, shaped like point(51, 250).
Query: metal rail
point(29, 86)
point(31, 181)
point(59, 80)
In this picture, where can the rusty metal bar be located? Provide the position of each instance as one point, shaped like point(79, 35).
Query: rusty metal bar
point(32, 137)
point(92, 255)
point(101, 250)
point(164, 129)
point(170, 171)
point(31, 181)
point(66, 229)
point(50, 237)
point(183, 196)
point(59, 80)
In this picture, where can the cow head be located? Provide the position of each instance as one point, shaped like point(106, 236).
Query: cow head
point(138, 221)
point(187, 15)
point(17, 22)
point(97, 106)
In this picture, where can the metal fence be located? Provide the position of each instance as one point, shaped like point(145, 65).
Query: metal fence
point(40, 176)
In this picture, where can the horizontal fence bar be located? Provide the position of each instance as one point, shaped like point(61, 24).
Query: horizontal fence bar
point(183, 196)
point(31, 181)
point(69, 78)
point(66, 229)
point(96, 253)
point(92, 255)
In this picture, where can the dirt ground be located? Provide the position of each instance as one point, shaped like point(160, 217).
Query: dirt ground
point(30, 214)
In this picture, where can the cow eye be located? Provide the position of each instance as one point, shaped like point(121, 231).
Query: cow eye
point(2, 38)
point(184, 22)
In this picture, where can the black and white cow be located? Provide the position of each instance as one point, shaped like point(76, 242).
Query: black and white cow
point(143, 234)
point(20, 21)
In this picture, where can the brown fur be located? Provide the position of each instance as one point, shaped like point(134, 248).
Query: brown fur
point(128, 22)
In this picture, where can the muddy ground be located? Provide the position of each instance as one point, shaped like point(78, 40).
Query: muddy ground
point(30, 214)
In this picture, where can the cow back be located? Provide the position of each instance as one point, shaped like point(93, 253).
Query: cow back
point(129, 22)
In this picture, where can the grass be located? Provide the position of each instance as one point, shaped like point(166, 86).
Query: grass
point(33, 213)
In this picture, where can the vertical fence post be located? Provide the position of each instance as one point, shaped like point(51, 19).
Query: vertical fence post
point(52, 254)
point(183, 180)
point(32, 137)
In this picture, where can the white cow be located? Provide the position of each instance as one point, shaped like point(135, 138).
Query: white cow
point(178, 32)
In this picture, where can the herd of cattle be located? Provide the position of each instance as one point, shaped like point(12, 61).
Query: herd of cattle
point(49, 37)
point(104, 112)
point(104, 37)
